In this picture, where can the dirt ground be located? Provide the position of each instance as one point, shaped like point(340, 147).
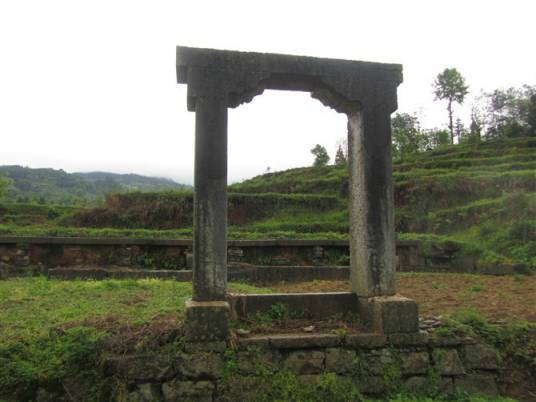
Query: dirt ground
point(496, 297)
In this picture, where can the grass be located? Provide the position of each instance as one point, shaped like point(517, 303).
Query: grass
point(50, 328)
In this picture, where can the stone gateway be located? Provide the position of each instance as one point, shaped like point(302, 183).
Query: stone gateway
point(366, 93)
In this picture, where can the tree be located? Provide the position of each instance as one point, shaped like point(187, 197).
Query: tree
point(450, 85)
point(475, 128)
point(532, 115)
point(407, 135)
point(340, 158)
point(4, 184)
point(510, 112)
point(437, 138)
point(321, 155)
point(460, 131)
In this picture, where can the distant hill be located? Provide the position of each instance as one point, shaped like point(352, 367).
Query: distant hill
point(60, 187)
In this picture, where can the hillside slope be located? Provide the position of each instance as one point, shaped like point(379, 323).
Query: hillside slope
point(60, 187)
point(481, 197)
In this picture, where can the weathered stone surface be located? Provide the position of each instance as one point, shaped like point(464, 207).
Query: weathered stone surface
point(408, 339)
point(178, 391)
point(199, 365)
point(217, 346)
point(342, 361)
point(366, 341)
point(370, 384)
point(210, 199)
point(238, 388)
point(314, 305)
point(144, 393)
point(447, 362)
point(481, 356)
point(477, 384)
point(304, 341)
point(206, 321)
point(255, 362)
point(139, 367)
point(450, 341)
point(415, 384)
point(254, 342)
point(374, 362)
point(415, 362)
point(390, 314)
point(305, 362)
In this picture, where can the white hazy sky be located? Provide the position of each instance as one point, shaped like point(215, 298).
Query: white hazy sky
point(90, 85)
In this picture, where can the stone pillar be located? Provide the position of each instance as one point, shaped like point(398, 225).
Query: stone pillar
point(210, 200)
point(207, 315)
point(372, 236)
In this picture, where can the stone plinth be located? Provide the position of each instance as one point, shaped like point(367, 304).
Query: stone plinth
point(390, 314)
point(206, 321)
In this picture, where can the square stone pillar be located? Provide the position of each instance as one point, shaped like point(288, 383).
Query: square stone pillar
point(372, 233)
point(372, 229)
point(207, 314)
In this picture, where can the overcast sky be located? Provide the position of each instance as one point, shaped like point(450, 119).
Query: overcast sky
point(90, 85)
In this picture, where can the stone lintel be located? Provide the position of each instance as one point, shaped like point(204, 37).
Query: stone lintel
point(206, 321)
point(240, 76)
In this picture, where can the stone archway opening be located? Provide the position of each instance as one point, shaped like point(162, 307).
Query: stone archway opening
point(366, 93)
point(278, 130)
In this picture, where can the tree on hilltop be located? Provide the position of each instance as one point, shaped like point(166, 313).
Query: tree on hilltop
point(340, 157)
point(450, 85)
point(321, 155)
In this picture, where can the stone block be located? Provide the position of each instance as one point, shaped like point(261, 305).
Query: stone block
point(304, 341)
point(447, 362)
point(199, 365)
point(342, 361)
point(390, 314)
point(415, 384)
point(408, 339)
point(374, 362)
point(240, 388)
point(206, 321)
point(369, 384)
point(146, 392)
point(305, 362)
point(139, 367)
point(217, 346)
point(254, 342)
point(480, 357)
point(366, 341)
point(483, 384)
point(415, 362)
point(198, 391)
point(256, 362)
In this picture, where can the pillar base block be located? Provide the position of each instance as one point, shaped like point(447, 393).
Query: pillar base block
point(390, 314)
point(206, 321)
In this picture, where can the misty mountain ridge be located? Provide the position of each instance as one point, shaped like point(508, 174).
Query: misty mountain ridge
point(48, 185)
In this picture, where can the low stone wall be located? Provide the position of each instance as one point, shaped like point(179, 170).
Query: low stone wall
point(251, 274)
point(23, 254)
point(373, 364)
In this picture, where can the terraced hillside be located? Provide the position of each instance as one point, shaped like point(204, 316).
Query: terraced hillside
point(480, 197)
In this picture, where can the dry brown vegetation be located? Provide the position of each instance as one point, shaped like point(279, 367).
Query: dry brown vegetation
point(495, 297)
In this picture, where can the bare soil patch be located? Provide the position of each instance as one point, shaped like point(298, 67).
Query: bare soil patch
point(496, 297)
